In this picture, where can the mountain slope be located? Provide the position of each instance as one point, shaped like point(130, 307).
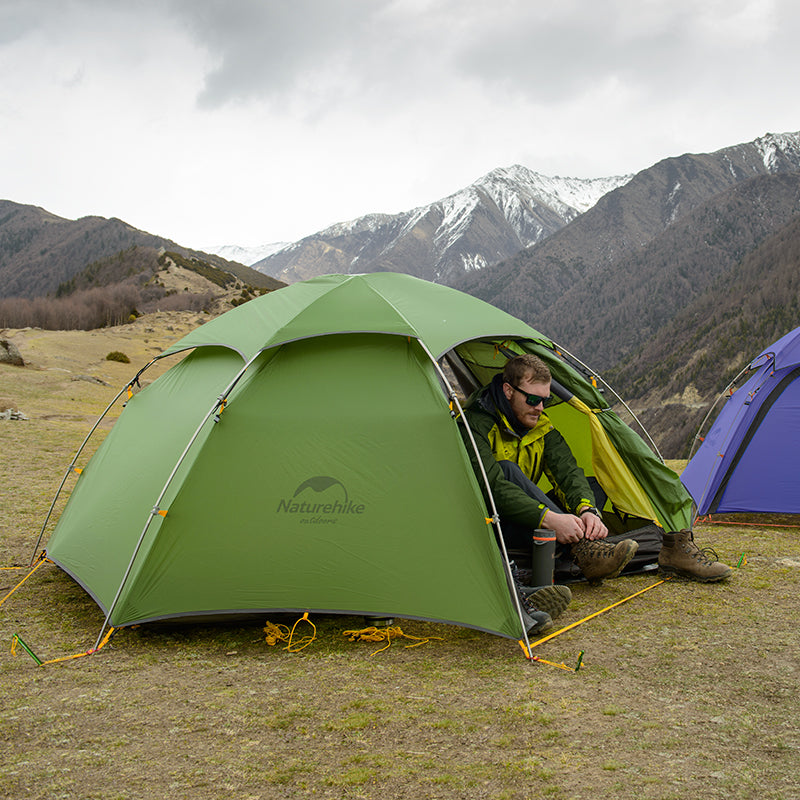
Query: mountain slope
point(676, 375)
point(542, 284)
point(39, 250)
point(497, 216)
point(140, 280)
point(647, 287)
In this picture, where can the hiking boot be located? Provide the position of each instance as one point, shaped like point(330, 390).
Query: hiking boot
point(553, 600)
point(681, 556)
point(535, 621)
point(599, 560)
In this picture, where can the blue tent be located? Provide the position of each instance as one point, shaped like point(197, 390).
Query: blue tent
point(750, 459)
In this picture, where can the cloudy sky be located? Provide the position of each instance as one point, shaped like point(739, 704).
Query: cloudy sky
point(253, 121)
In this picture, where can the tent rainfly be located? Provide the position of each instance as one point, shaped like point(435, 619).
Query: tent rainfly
point(750, 458)
point(303, 456)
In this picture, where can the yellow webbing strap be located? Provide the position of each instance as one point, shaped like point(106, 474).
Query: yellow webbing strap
point(387, 634)
point(282, 633)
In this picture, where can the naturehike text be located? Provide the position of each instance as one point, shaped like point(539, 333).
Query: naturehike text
point(347, 507)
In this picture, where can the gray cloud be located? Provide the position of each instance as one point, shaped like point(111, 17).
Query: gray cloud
point(271, 49)
point(555, 56)
point(18, 19)
point(382, 104)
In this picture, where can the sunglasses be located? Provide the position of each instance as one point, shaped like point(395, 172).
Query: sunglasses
point(530, 399)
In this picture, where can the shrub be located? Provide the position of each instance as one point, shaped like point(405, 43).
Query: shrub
point(116, 355)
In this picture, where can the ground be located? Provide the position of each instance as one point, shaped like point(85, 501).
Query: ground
point(685, 690)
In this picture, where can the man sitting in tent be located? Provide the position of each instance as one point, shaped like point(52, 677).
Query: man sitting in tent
point(517, 443)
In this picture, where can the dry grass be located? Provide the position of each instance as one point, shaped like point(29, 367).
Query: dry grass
point(686, 691)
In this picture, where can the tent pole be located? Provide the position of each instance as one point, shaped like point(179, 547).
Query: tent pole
point(71, 466)
point(732, 427)
point(727, 390)
point(155, 510)
point(495, 516)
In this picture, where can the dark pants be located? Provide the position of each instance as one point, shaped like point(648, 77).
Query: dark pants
point(515, 535)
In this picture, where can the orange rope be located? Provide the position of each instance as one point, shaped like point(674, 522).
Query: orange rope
point(373, 634)
point(282, 633)
point(708, 521)
point(87, 653)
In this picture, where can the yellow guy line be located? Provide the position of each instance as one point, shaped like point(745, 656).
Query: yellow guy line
point(596, 614)
point(41, 561)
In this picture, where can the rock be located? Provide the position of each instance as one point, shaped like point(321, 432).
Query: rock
point(11, 413)
point(9, 354)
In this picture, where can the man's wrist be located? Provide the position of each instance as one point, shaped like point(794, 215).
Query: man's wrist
point(589, 509)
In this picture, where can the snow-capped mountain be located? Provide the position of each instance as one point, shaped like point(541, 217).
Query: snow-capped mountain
point(245, 255)
point(494, 218)
point(640, 255)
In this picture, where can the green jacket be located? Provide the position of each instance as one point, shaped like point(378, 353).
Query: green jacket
point(542, 450)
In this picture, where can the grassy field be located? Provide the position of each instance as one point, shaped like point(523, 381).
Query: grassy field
point(684, 691)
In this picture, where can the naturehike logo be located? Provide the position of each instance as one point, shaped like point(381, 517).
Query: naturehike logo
point(320, 500)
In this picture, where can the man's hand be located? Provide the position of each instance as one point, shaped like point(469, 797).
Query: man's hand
point(593, 527)
point(567, 527)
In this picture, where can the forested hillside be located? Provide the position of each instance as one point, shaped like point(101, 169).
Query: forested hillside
point(675, 376)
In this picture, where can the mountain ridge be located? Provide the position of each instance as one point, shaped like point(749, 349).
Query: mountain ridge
point(622, 284)
point(624, 220)
point(40, 250)
point(502, 212)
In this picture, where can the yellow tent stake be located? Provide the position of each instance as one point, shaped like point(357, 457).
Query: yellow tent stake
point(39, 564)
point(596, 614)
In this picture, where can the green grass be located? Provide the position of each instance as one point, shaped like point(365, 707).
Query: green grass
point(685, 691)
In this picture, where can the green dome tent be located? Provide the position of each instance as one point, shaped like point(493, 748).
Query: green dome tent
point(304, 455)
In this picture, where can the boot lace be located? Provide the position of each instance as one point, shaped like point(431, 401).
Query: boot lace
point(599, 549)
point(707, 556)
